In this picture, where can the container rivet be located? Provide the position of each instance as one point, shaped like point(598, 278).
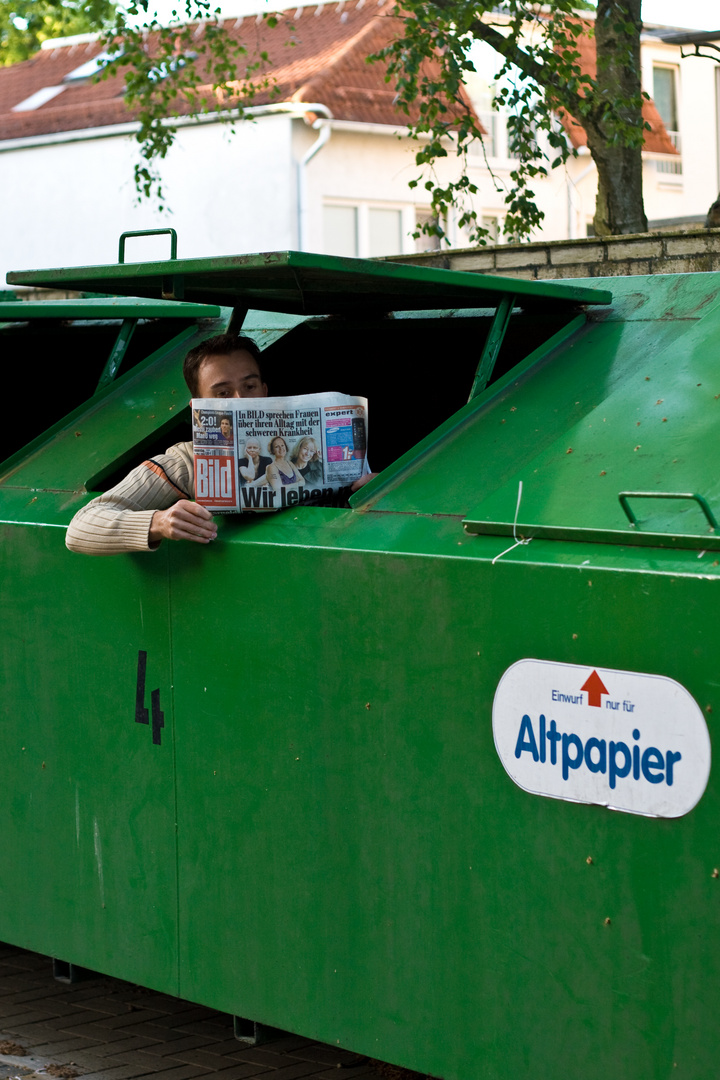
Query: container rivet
point(589, 860)
point(715, 873)
point(574, 637)
point(607, 921)
point(368, 705)
point(603, 473)
point(569, 450)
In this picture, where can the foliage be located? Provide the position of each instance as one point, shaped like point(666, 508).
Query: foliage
point(197, 68)
point(540, 78)
point(180, 68)
point(25, 24)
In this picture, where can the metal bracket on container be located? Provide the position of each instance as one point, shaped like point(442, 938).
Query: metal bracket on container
point(623, 496)
point(494, 340)
point(148, 232)
point(173, 285)
point(117, 353)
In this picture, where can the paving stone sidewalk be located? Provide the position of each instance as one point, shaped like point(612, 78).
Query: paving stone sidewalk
point(105, 1029)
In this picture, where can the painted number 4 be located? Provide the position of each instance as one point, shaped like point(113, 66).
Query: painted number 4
point(142, 716)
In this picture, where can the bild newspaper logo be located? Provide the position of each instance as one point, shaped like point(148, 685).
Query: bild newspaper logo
point(622, 739)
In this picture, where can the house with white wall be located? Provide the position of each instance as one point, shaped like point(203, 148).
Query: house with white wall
point(322, 163)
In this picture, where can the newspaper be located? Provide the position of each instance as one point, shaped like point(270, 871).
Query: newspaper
point(267, 453)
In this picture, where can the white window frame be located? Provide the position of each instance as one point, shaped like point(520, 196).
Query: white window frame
point(676, 136)
point(363, 208)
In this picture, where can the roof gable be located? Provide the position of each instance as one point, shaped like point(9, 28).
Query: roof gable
point(315, 54)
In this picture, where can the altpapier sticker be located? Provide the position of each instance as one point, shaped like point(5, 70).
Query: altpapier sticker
point(623, 739)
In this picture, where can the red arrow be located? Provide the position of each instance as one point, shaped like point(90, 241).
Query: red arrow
point(595, 687)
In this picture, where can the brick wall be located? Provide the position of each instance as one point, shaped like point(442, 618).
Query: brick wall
point(667, 252)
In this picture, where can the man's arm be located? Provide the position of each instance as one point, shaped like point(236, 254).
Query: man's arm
point(151, 503)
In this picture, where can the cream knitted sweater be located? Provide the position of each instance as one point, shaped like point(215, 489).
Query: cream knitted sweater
point(119, 520)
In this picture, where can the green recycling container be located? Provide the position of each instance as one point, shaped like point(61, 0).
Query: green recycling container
point(428, 777)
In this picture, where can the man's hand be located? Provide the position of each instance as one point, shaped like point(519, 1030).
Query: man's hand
point(357, 484)
point(183, 521)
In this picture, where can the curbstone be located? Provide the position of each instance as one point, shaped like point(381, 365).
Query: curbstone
point(562, 256)
point(528, 256)
point(633, 249)
point(473, 263)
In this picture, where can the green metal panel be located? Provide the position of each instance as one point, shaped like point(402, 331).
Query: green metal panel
point(100, 436)
point(112, 307)
point(656, 432)
point(583, 391)
point(87, 800)
point(354, 862)
point(301, 283)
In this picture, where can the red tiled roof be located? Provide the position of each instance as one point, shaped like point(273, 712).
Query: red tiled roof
point(315, 54)
point(657, 139)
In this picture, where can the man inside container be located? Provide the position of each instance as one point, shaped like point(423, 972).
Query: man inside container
point(155, 501)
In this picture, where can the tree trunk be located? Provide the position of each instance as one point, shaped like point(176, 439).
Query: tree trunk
point(712, 221)
point(619, 208)
point(619, 205)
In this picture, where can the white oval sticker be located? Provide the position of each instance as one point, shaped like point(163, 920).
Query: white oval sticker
point(621, 739)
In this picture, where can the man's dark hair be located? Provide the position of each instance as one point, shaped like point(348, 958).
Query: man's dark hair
point(220, 345)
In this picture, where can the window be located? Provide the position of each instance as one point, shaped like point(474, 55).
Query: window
point(385, 232)
point(481, 95)
point(340, 230)
point(426, 242)
point(365, 231)
point(665, 96)
point(492, 224)
point(91, 67)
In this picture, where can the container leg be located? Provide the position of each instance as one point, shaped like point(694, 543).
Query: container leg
point(251, 1033)
point(65, 972)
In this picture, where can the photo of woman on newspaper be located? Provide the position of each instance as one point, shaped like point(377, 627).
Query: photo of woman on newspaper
point(281, 471)
point(306, 457)
point(252, 467)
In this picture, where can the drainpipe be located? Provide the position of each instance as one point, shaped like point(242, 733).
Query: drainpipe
point(324, 130)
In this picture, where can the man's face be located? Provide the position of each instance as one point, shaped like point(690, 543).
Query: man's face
point(252, 448)
point(225, 427)
point(233, 376)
